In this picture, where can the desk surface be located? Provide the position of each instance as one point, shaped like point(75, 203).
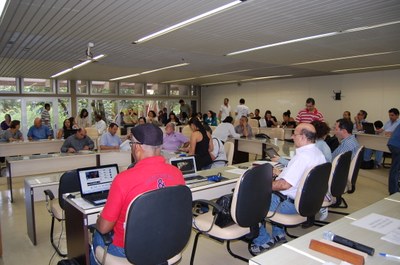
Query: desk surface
point(30, 147)
point(297, 251)
point(373, 141)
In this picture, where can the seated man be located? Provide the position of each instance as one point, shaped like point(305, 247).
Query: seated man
point(100, 124)
point(386, 130)
point(77, 142)
point(244, 128)
point(173, 140)
point(13, 133)
point(39, 131)
point(348, 142)
point(110, 140)
point(307, 156)
point(150, 172)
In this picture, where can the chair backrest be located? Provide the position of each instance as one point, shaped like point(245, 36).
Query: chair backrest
point(187, 131)
point(229, 150)
point(253, 123)
point(339, 174)
point(312, 189)
point(92, 133)
point(69, 182)
point(158, 225)
point(252, 196)
point(354, 169)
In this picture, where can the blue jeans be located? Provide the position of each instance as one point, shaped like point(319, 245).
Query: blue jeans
point(394, 170)
point(285, 207)
point(378, 155)
point(112, 249)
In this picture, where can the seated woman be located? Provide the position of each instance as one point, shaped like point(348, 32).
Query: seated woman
point(152, 118)
point(288, 122)
point(173, 118)
point(141, 120)
point(66, 130)
point(200, 144)
point(13, 133)
point(211, 118)
point(270, 120)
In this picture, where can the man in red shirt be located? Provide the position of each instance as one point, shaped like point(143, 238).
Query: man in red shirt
point(150, 172)
point(310, 113)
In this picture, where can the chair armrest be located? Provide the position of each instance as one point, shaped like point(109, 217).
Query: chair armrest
point(107, 237)
point(49, 194)
point(280, 195)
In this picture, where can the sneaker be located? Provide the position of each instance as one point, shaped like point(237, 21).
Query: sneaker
point(256, 249)
point(323, 213)
point(280, 239)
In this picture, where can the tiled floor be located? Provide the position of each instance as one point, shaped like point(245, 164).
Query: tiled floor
point(18, 250)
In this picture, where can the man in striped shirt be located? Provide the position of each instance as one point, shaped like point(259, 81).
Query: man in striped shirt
point(310, 113)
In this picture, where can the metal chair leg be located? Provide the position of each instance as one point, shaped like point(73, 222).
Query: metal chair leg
point(52, 240)
point(196, 239)
point(228, 247)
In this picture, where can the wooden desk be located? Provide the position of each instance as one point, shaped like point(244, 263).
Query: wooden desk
point(297, 251)
point(371, 141)
point(30, 147)
point(78, 219)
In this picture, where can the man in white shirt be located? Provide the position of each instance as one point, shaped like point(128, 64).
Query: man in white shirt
point(241, 110)
point(224, 110)
point(225, 129)
point(110, 140)
point(100, 125)
point(307, 156)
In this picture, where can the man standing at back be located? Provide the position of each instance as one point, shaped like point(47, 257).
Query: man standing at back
point(348, 142)
point(185, 108)
point(241, 110)
point(150, 172)
point(224, 110)
point(307, 156)
point(310, 113)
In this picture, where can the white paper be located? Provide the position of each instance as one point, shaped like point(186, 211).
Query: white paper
point(82, 203)
point(378, 223)
point(238, 171)
point(393, 236)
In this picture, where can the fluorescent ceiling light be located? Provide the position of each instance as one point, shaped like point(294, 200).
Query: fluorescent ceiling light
point(2, 6)
point(188, 21)
point(203, 76)
point(365, 68)
point(319, 36)
point(246, 80)
point(345, 58)
point(150, 71)
point(78, 65)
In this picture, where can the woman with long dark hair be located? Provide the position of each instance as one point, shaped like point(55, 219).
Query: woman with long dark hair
point(200, 144)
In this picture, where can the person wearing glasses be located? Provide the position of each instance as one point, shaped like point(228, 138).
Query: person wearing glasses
point(150, 172)
point(307, 156)
point(310, 113)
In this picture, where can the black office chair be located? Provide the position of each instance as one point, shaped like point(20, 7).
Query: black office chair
point(309, 197)
point(69, 182)
point(158, 227)
point(250, 203)
point(354, 169)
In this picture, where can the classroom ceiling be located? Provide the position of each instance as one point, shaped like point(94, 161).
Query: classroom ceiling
point(39, 38)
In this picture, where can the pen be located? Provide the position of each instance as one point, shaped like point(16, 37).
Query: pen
point(389, 256)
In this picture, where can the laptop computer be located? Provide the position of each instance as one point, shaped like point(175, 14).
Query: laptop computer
point(95, 182)
point(368, 127)
point(187, 165)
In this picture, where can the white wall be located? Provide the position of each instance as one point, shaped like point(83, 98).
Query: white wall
point(375, 92)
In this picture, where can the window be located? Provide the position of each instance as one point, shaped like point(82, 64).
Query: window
point(8, 85)
point(126, 88)
point(64, 110)
point(63, 86)
point(107, 108)
point(103, 87)
point(137, 106)
point(10, 106)
point(179, 90)
point(33, 85)
point(156, 89)
point(82, 87)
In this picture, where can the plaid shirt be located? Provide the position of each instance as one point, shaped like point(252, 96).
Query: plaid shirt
point(348, 144)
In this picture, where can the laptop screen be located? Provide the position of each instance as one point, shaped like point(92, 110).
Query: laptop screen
point(368, 128)
point(187, 164)
point(97, 179)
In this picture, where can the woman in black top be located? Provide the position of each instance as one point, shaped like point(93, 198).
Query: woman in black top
point(200, 144)
point(288, 122)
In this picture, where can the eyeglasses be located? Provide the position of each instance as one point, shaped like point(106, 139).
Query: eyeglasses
point(132, 143)
point(296, 134)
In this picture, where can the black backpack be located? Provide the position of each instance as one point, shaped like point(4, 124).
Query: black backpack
point(68, 262)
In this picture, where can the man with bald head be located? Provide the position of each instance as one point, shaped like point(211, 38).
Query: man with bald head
point(307, 156)
point(39, 131)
